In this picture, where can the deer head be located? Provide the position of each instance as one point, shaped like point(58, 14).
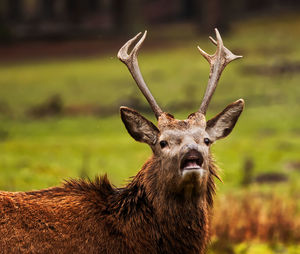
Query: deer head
point(181, 148)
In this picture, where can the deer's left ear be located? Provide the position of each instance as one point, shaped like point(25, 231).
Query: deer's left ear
point(139, 127)
point(222, 124)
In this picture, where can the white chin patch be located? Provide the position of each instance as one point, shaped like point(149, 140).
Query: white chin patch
point(197, 170)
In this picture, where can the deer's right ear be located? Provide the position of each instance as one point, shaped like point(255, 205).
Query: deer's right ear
point(139, 127)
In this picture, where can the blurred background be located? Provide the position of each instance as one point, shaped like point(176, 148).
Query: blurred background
point(61, 86)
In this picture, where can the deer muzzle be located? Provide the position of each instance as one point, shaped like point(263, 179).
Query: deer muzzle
point(192, 161)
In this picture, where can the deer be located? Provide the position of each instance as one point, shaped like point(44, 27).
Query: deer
point(167, 205)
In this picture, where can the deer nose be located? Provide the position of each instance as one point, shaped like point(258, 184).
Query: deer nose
point(189, 147)
point(193, 150)
point(191, 159)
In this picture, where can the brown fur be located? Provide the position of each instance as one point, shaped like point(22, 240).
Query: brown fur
point(94, 217)
point(164, 209)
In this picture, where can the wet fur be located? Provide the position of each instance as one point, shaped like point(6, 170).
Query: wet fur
point(95, 217)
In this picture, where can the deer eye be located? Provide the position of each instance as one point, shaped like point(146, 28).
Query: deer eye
point(163, 143)
point(207, 141)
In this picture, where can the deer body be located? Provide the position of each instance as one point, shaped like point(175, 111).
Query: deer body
point(164, 209)
point(85, 217)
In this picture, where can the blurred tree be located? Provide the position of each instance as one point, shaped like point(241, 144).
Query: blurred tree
point(74, 10)
point(127, 16)
point(47, 8)
point(119, 13)
point(93, 5)
point(2, 9)
point(14, 9)
point(188, 9)
point(5, 34)
point(211, 14)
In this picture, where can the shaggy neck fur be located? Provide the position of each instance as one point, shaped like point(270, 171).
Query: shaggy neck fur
point(170, 223)
point(94, 217)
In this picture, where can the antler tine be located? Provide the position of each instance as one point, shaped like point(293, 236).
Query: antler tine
point(217, 62)
point(132, 64)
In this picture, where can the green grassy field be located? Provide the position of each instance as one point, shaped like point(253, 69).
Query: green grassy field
point(38, 153)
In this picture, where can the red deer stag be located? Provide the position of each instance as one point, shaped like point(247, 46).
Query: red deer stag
point(164, 209)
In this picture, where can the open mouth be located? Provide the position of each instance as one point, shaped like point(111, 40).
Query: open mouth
point(191, 161)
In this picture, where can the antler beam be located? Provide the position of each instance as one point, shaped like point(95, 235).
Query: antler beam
point(217, 62)
point(130, 59)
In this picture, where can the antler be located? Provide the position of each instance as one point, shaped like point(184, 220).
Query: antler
point(132, 64)
point(217, 62)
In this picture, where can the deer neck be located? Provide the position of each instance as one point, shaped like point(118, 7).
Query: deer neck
point(163, 217)
point(184, 214)
point(169, 203)
point(164, 189)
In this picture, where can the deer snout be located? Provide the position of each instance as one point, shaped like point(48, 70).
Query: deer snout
point(189, 147)
point(192, 159)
